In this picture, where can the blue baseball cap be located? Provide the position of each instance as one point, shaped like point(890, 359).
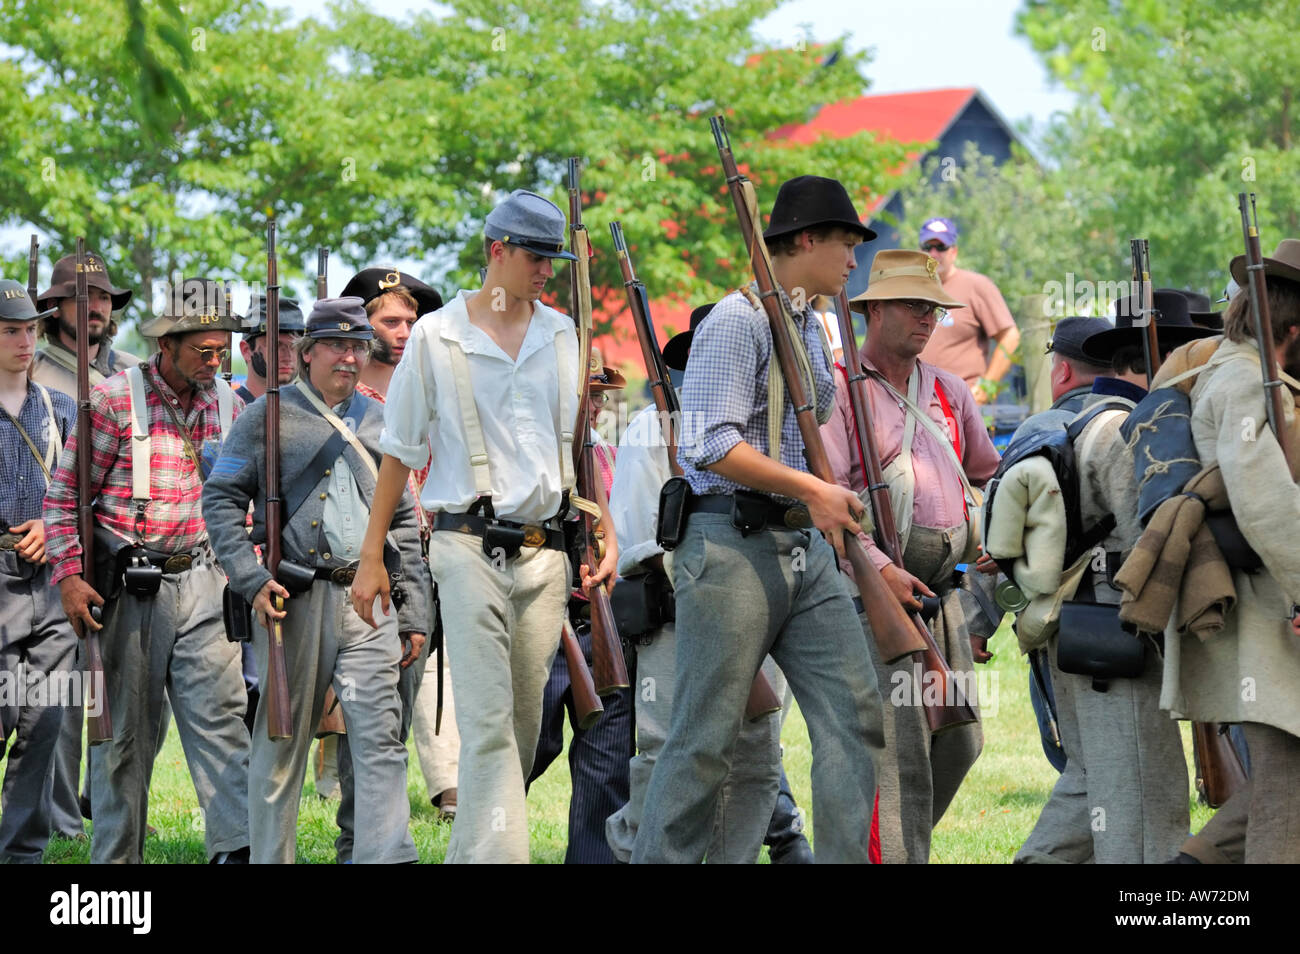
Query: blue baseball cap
point(939, 230)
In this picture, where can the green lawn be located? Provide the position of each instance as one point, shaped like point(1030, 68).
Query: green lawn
point(990, 817)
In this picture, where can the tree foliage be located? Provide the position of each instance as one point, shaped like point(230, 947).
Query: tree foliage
point(389, 140)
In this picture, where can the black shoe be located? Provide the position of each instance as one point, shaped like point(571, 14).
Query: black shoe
point(1183, 858)
point(237, 857)
point(84, 804)
point(785, 839)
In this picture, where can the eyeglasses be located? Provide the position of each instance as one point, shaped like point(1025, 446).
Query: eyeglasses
point(599, 398)
point(919, 309)
point(342, 346)
point(208, 355)
point(935, 247)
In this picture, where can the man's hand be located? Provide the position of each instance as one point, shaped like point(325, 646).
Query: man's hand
point(77, 597)
point(979, 648)
point(834, 509)
point(606, 571)
point(978, 393)
point(264, 603)
point(371, 581)
point(904, 586)
point(412, 644)
point(986, 564)
point(32, 546)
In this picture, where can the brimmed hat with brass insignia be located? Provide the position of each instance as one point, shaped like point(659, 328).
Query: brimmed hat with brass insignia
point(291, 317)
point(900, 275)
point(605, 378)
point(369, 283)
point(531, 222)
point(197, 304)
point(15, 305)
point(339, 318)
point(63, 282)
point(806, 202)
point(1283, 263)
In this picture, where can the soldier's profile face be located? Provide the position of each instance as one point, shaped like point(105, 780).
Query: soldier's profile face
point(392, 323)
point(196, 356)
point(101, 307)
point(17, 345)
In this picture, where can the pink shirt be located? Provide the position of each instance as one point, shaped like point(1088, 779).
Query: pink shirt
point(938, 500)
point(960, 343)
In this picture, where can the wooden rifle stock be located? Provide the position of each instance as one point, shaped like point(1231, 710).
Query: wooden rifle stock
point(586, 700)
point(763, 700)
point(1263, 322)
point(894, 633)
point(31, 272)
point(609, 668)
point(1141, 254)
point(279, 722)
point(99, 720)
point(1220, 774)
point(949, 707)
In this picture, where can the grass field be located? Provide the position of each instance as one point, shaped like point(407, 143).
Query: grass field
point(989, 819)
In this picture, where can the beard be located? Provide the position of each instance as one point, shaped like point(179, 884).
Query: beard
point(382, 351)
point(70, 330)
point(258, 363)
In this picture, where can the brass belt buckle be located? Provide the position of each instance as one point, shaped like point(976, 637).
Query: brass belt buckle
point(534, 536)
point(178, 563)
point(9, 541)
point(798, 517)
point(343, 575)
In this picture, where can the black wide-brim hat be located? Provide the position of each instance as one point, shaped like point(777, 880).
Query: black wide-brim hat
point(63, 282)
point(1173, 326)
point(1070, 333)
point(369, 283)
point(678, 347)
point(1199, 308)
point(806, 202)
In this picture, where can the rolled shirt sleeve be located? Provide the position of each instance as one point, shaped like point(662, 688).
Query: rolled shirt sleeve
point(409, 406)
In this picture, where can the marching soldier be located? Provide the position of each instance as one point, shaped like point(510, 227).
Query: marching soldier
point(933, 443)
point(252, 344)
point(329, 443)
point(747, 581)
point(37, 645)
point(491, 381)
point(154, 429)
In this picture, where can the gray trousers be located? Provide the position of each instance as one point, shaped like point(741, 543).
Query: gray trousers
point(438, 752)
point(409, 681)
point(920, 772)
point(174, 643)
point(739, 599)
point(748, 793)
point(1122, 798)
point(325, 643)
point(37, 651)
point(502, 624)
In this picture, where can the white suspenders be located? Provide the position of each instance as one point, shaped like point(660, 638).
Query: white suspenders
point(53, 441)
point(475, 445)
point(141, 443)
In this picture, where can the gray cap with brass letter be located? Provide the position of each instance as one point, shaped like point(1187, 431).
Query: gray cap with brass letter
point(196, 304)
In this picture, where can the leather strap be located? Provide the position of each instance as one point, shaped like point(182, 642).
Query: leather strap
point(53, 440)
point(310, 476)
point(341, 428)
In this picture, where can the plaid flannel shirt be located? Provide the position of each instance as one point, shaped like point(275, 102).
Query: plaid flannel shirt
point(173, 519)
point(724, 396)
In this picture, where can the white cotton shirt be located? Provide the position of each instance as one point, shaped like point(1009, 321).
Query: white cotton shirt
point(634, 499)
point(518, 410)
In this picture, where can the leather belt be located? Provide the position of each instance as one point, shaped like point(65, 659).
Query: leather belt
point(171, 563)
point(342, 575)
point(776, 516)
point(535, 534)
point(9, 541)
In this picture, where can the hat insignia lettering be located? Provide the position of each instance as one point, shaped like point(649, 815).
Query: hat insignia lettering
point(345, 326)
point(932, 267)
point(390, 280)
point(13, 293)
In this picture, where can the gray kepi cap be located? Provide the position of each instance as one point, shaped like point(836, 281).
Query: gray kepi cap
point(531, 222)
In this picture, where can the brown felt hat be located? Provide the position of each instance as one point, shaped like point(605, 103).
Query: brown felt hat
point(63, 282)
point(1283, 263)
point(898, 275)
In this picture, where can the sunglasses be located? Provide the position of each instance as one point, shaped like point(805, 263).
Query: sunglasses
point(935, 247)
point(208, 355)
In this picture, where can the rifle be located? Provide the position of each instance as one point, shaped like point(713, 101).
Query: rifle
point(951, 708)
point(99, 728)
point(586, 701)
point(322, 266)
point(279, 723)
point(31, 272)
point(1219, 772)
point(230, 311)
point(762, 699)
point(895, 635)
point(1141, 254)
point(608, 665)
point(1263, 321)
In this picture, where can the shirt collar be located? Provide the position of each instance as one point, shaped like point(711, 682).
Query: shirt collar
point(202, 398)
point(543, 326)
point(1117, 387)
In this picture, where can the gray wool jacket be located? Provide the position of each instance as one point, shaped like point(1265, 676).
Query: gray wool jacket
point(239, 476)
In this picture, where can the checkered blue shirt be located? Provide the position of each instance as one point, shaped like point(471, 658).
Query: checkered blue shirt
point(724, 397)
point(24, 481)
